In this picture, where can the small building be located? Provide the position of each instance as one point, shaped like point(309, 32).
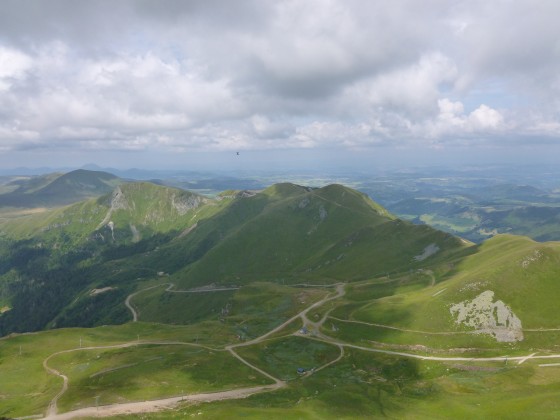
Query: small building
point(300, 371)
point(303, 330)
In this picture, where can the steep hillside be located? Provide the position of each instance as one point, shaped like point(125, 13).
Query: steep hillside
point(58, 189)
point(504, 293)
point(129, 213)
point(313, 303)
point(286, 234)
point(49, 258)
point(293, 234)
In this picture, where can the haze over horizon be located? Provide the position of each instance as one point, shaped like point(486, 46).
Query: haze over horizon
point(289, 84)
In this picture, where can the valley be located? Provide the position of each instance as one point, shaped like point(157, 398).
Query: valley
point(287, 302)
point(307, 210)
point(250, 353)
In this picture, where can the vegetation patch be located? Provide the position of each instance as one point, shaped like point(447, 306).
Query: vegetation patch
point(283, 357)
point(143, 372)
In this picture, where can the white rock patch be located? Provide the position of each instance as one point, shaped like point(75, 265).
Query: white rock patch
point(535, 256)
point(322, 213)
point(488, 317)
point(428, 252)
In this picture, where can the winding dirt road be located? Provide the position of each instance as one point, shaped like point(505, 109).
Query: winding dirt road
point(389, 327)
point(167, 403)
point(145, 406)
point(155, 405)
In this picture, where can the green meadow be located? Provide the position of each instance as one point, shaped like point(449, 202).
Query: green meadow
point(373, 292)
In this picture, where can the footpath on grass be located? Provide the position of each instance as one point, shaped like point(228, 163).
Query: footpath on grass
point(173, 402)
point(160, 404)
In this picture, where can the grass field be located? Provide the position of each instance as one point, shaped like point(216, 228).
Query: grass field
point(247, 312)
point(22, 356)
point(364, 385)
point(410, 308)
point(148, 372)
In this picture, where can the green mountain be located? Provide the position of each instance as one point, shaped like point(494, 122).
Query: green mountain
point(297, 234)
point(285, 234)
point(54, 190)
point(499, 297)
point(126, 214)
point(291, 302)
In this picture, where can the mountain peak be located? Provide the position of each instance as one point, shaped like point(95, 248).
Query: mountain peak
point(285, 189)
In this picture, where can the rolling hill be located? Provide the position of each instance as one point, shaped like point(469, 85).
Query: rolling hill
point(285, 234)
point(54, 190)
point(290, 302)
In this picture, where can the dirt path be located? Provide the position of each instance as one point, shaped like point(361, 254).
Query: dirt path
point(403, 329)
point(154, 405)
point(339, 293)
point(390, 327)
point(200, 290)
point(332, 362)
point(53, 408)
point(170, 286)
point(432, 277)
point(129, 305)
point(146, 406)
point(168, 403)
point(278, 382)
point(158, 405)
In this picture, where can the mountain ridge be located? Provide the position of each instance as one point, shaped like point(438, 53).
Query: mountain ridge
point(349, 310)
point(285, 233)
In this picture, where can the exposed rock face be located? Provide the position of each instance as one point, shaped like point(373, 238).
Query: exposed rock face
point(118, 200)
point(322, 213)
point(489, 317)
point(183, 204)
point(428, 252)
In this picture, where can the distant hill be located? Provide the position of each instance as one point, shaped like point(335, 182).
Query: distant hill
point(57, 189)
point(128, 213)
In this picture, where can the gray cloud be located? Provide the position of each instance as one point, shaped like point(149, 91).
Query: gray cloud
point(222, 75)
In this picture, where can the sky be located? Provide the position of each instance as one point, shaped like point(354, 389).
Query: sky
point(326, 83)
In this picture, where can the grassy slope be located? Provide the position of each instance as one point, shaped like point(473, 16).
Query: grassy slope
point(149, 372)
point(148, 207)
point(323, 235)
point(248, 312)
point(286, 234)
point(521, 272)
point(36, 347)
point(360, 385)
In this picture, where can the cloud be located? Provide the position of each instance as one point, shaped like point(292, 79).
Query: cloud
point(222, 75)
point(13, 66)
point(452, 122)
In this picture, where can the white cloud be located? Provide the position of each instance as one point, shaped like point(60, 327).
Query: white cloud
point(452, 122)
point(13, 66)
point(412, 90)
point(290, 74)
point(485, 118)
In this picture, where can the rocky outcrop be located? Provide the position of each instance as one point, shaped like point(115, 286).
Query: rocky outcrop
point(183, 204)
point(488, 317)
